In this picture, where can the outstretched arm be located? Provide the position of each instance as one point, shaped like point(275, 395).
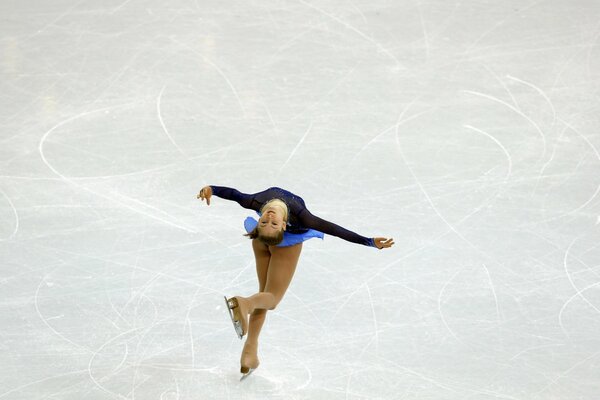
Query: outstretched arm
point(312, 221)
point(243, 199)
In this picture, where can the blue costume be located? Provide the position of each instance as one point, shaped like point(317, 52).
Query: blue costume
point(301, 224)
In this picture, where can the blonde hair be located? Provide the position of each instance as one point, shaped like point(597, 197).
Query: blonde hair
point(280, 203)
point(277, 238)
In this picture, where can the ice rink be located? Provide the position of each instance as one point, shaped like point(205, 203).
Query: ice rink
point(466, 130)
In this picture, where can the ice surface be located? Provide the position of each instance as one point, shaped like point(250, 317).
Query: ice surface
point(466, 130)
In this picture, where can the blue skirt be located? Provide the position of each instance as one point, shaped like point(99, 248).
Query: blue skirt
point(289, 239)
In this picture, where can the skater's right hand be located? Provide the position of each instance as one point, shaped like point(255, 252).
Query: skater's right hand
point(382, 243)
point(205, 193)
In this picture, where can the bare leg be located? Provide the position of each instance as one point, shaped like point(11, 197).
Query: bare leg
point(262, 256)
point(282, 266)
point(275, 268)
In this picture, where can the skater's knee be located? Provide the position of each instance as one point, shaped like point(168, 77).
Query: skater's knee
point(273, 300)
point(276, 300)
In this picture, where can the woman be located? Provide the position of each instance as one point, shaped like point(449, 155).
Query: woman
point(277, 238)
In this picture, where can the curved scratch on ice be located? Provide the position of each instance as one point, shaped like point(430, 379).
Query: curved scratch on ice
point(162, 123)
point(357, 31)
point(595, 194)
point(99, 194)
point(597, 156)
point(534, 348)
point(441, 294)
point(560, 314)
point(516, 110)
point(578, 292)
point(45, 320)
point(540, 91)
point(309, 379)
point(98, 352)
point(16, 229)
point(508, 157)
point(493, 291)
point(219, 71)
point(399, 122)
point(430, 201)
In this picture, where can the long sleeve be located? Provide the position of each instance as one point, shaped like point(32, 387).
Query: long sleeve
point(312, 221)
point(300, 219)
point(243, 199)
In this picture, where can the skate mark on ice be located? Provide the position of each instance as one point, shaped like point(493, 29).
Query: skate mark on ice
point(493, 291)
point(219, 71)
point(307, 306)
point(517, 111)
point(562, 375)
point(16, 214)
point(303, 364)
point(172, 221)
point(189, 325)
point(117, 8)
point(19, 388)
point(45, 320)
point(95, 354)
point(425, 34)
point(295, 148)
point(334, 87)
point(439, 301)
point(435, 209)
point(595, 150)
point(578, 291)
point(544, 346)
point(162, 123)
point(379, 47)
point(578, 294)
point(375, 325)
point(400, 121)
point(540, 91)
point(508, 157)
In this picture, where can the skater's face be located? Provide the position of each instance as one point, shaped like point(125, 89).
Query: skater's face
point(272, 220)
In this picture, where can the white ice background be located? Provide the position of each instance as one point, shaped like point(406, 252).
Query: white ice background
point(467, 130)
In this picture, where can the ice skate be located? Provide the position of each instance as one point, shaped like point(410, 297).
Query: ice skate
point(238, 314)
point(249, 360)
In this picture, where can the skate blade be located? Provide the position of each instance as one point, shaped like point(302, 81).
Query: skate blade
point(244, 376)
point(236, 324)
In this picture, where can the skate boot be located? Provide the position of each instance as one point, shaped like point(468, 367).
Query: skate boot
point(239, 315)
point(249, 359)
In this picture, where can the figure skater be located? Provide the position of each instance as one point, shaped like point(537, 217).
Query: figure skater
point(284, 223)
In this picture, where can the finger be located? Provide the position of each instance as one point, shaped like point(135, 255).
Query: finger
point(387, 243)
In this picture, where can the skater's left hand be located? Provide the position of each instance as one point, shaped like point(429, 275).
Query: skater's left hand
point(383, 243)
